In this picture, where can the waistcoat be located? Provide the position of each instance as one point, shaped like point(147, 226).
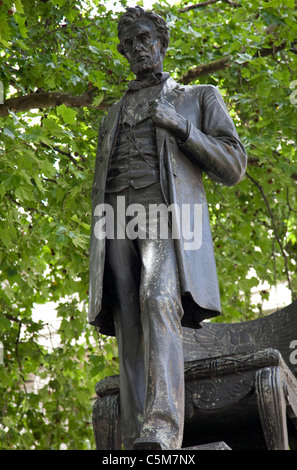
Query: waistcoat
point(134, 161)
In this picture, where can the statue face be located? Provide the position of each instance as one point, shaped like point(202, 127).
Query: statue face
point(142, 47)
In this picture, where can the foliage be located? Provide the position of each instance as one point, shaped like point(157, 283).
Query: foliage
point(60, 71)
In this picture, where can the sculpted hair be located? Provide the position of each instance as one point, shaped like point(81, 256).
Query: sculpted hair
point(135, 13)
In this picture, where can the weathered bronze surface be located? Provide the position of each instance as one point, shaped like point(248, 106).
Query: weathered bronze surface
point(154, 145)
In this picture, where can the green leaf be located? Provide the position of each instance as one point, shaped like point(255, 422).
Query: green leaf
point(242, 58)
point(97, 100)
point(67, 114)
point(24, 193)
point(9, 133)
point(19, 6)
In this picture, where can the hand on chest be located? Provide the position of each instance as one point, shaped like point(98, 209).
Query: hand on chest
point(136, 105)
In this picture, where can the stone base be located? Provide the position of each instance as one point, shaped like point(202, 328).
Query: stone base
point(212, 446)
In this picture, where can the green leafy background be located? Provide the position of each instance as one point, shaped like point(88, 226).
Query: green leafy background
point(60, 71)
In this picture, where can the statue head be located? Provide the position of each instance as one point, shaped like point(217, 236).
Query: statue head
point(144, 39)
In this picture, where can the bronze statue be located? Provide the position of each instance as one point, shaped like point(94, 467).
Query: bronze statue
point(154, 145)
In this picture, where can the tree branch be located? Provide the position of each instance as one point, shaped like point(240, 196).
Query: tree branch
point(33, 209)
point(63, 27)
point(205, 69)
point(224, 62)
point(11, 318)
point(62, 152)
point(266, 51)
point(274, 229)
point(18, 359)
point(197, 5)
point(49, 100)
point(207, 3)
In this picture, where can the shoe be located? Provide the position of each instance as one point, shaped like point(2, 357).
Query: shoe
point(147, 443)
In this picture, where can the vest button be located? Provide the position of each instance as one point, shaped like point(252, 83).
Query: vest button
point(172, 139)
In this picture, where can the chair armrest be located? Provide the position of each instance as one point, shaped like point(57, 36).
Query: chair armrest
point(232, 364)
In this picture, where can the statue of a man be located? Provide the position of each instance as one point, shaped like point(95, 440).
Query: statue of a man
point(154, 145)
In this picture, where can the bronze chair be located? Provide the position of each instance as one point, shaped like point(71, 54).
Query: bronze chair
point(240, 384)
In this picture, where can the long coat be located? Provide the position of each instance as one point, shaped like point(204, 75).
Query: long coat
point(213, 147)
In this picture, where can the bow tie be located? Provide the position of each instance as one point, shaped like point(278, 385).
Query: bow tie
point(153, 79)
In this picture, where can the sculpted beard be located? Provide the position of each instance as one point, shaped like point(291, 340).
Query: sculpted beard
point(149, 65)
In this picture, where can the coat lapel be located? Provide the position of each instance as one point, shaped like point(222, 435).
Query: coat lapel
point(170, 94)
point(111, 126)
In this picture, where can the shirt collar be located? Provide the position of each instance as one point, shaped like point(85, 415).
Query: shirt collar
point(153, 79)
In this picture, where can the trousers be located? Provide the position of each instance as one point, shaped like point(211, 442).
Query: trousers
point(147, 309)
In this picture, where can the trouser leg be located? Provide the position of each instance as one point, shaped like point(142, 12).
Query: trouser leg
point(147, 316)
point(161, 314)
point(124, 265)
